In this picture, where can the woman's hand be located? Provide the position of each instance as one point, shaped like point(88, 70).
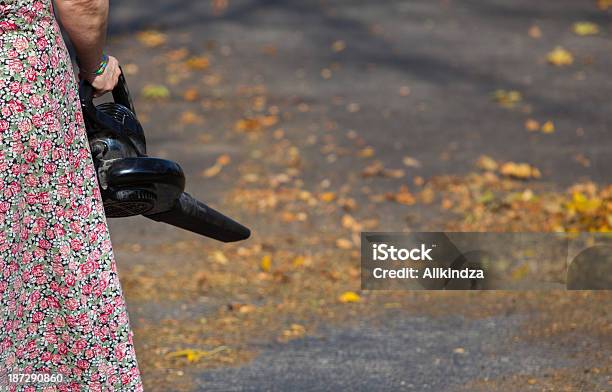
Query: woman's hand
point(107, 81)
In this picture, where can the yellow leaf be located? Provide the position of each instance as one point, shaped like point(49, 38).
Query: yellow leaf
point(299, 261)
point(487, 163)
point(328, 197)
point(366, 152)
point(155, 91)
point(151, 38)
point(338, 46)
point(521, 171)
point(583, 204)
point(520, 272)
point(560, 57)
point(266, 263)
point(349, 296)
point(219, 257)
point(548, 127)
point(193, 355)
point(585, 28)
point(508, 98)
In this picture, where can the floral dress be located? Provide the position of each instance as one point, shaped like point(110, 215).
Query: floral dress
point(62, 311)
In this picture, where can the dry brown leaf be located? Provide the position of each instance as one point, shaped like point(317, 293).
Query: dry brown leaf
point(532, 125)
point(343, 243)
point(212, 171)
point(188, 117)
point(224, 160)
point(198, 63)
point(191, 95)
point(535, 32)
point(404, 196)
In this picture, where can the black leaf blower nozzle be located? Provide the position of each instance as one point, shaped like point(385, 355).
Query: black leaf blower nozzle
point(132, 183)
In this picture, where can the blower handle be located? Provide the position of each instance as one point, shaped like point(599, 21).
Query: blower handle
point(121, 95)
point(195, 216)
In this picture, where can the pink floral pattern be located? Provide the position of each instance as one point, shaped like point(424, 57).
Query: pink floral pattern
point(61, 306)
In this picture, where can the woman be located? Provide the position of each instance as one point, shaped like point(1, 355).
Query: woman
point(62, 312)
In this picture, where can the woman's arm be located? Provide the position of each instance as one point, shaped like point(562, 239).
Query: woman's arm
point(85, 21)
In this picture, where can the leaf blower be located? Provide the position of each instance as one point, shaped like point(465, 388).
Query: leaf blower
point(132, 183)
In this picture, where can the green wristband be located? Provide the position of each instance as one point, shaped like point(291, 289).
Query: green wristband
point(101, 67)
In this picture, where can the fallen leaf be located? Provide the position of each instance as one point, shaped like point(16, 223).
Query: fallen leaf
point(343, 243)
point(224, 160)
point(521, 171)
point(213, 170)
point(349, 297)
point(198, 63)
point(191, 95)
point(177, 54)
point(604, 4)
point(338, 46)
point(151, 38)
point(219, 257)
point(585, 28)
point(188, 117)
point(373, 169)
point(328, 197)
point(535, 32)
point(487, 163)
point(404, 196)
point(560, 57)
point(507, 98)
point(348, 222)
point(266, 263)
point(255, 123)
point(366, 152)
point(193, 355)
point(295, 331)
point(411, 162)
point(532, 125)
point(548, 127)
point(155, 91)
